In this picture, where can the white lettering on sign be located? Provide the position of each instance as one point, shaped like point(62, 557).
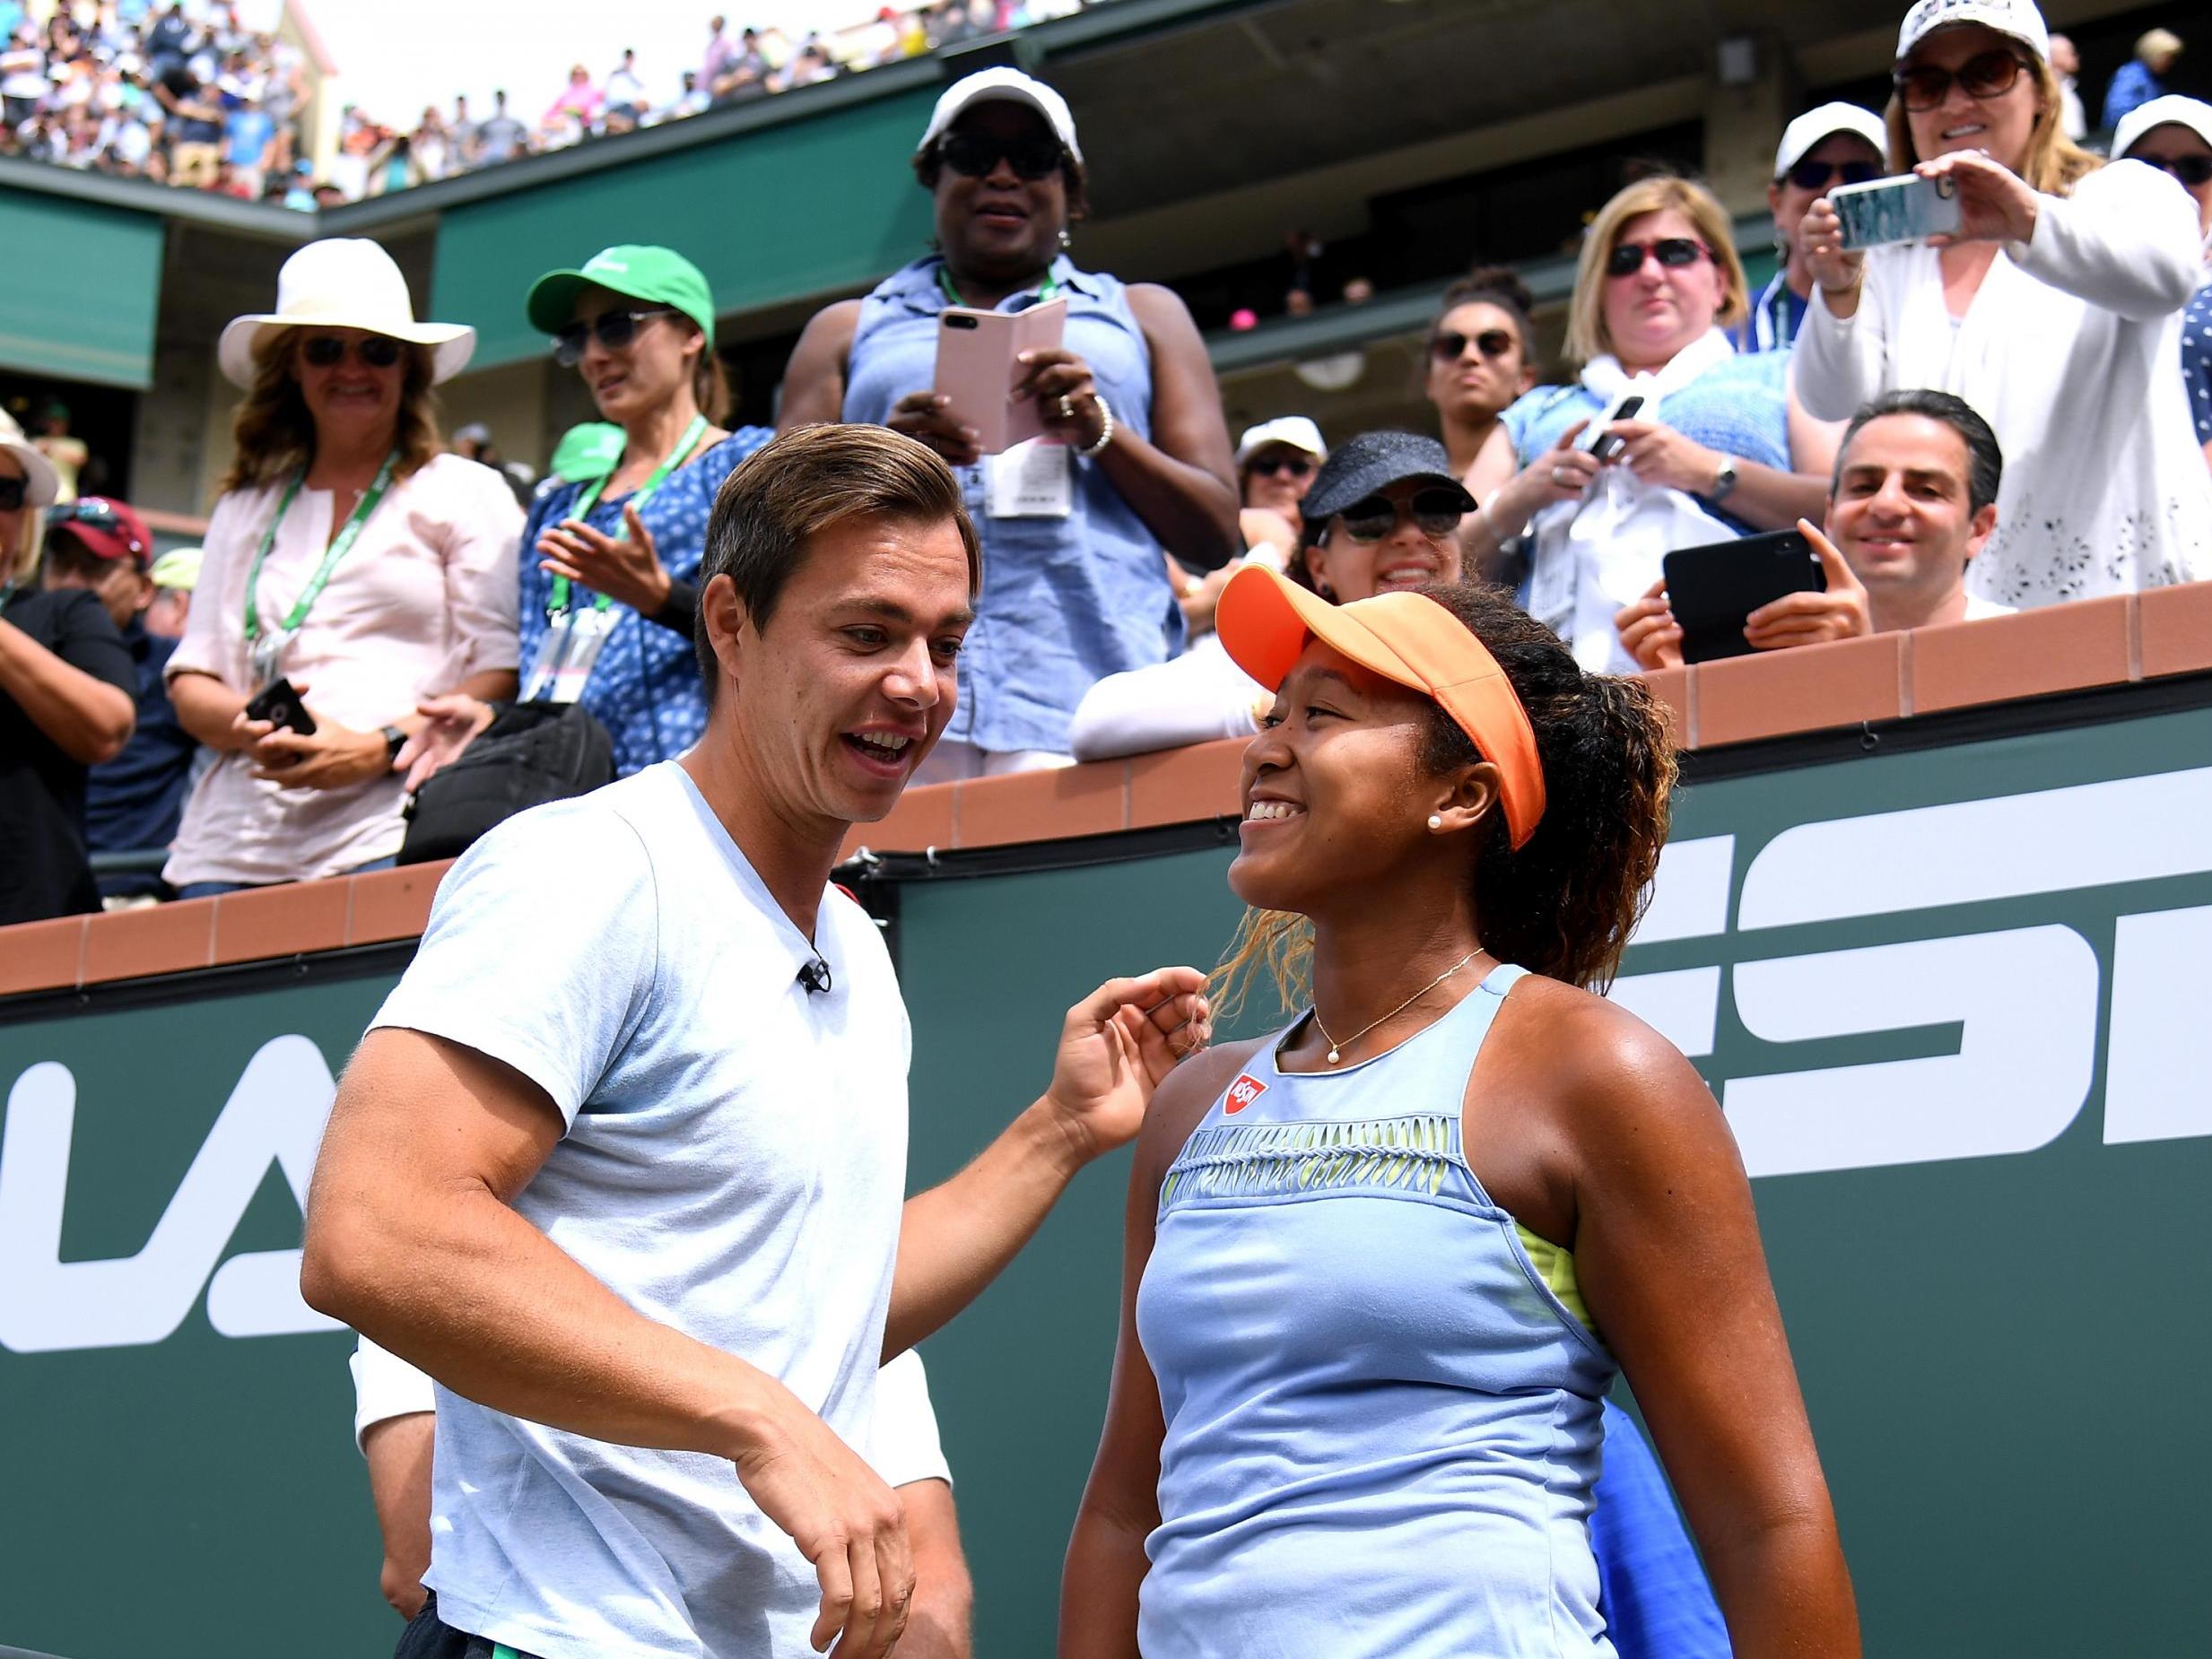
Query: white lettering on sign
point(275, 1114)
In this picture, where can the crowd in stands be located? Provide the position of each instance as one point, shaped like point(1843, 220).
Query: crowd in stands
point(1881, 403)
point(184, 94)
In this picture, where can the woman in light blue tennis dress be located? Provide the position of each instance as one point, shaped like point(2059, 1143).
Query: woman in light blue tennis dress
point(1382, 1265)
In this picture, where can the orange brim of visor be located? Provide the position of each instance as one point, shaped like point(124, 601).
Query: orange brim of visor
point(1265, 621)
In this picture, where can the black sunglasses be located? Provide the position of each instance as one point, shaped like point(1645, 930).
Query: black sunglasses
point(613, 329)
point(1273, 465)
point(1448, 344)
point(1809, 175)
point(1674, 252)
point(328, 350)
point(1987, 74)
point(973, 155)
point(2191, 170)
point(1435, 512)
point(12, 493)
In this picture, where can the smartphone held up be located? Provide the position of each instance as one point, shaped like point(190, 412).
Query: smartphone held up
point(979, 364)
point(1883, 212)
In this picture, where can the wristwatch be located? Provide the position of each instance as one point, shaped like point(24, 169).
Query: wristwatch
point(395, 740)
point(1723, 482)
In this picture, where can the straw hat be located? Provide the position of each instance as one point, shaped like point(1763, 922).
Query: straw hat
point(343, 282)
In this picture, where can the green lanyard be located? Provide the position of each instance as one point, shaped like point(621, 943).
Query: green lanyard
point(558, 605)
point(1050, 286)
point(336, 550)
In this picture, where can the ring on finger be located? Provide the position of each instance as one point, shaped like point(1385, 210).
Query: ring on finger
point(1068, 408)
point(1560, 475)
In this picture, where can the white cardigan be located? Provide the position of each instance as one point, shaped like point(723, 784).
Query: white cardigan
point(2071, 350)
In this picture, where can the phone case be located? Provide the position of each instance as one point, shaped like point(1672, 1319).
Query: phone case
point(279, 704)
point(1627, 406)
point(978, 366)
point(1713, 590)
point(1886, 210)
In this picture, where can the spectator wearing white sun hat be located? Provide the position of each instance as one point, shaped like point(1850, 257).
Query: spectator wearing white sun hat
point(348, 555)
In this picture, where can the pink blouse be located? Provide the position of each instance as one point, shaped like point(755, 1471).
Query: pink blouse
point(424, 599)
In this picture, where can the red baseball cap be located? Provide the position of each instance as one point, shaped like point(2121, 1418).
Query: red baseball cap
point(105, 529)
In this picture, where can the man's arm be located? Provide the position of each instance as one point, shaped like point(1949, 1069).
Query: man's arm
point(412, 1241)
point(89, 718)
point(398, 1450)
point(1115, 1047)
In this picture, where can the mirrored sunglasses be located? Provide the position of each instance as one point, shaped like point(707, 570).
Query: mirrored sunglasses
point(1673, 252)
point(1435, 513)
point(973, 155)
point(1809, 175)
point(615, 330)
point(1448, 345)
point(328, 350)
point(1986, 74)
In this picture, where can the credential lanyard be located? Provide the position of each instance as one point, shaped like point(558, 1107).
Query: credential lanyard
point(339, 547)
point(1045, 290)
point(558, 605)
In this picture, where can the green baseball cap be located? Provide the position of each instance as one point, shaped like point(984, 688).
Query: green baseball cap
point(586, 452)
point(659, 274)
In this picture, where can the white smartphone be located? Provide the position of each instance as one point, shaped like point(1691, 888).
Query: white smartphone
point(1596, 437)
point(1884, 211)
point(978, 365)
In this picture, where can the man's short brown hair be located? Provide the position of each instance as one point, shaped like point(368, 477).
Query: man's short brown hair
point(801, 482)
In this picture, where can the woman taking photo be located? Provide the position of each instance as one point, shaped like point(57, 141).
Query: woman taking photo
point(1381, 1266)
point(1711, 453)
point(1138, 464)
point(346, 556)
point(2056, 311)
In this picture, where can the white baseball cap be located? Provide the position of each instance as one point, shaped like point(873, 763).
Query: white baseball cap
point(2172, 111)
point(2019, 19)
point(1808, 130)
point(1295, 431)
point(1005, 86)
point(343, 282)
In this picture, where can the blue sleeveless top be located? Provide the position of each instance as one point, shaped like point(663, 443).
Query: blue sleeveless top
point(1383, 1426)
point(1065, 601)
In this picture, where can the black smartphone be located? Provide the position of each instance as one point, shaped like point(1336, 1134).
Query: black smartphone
point(277, 703)
point(1713, 590)
point(1597, 438)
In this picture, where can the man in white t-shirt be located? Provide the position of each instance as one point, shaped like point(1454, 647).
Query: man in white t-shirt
point(620, 1160)
point(1913, 500)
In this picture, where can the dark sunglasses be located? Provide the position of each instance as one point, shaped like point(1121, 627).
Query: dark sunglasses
point(613, 329)
point(973, 155)
point(1987, 74)
point(1674, 252)
point(98, 516)
point(1275, 466)
point(2191, 170)
point(328, 350)
point(1819, 174)
point(12, 491)
point(1435, 512)
point(1447, 346)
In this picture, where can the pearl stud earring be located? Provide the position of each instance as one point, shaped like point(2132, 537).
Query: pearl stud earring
point(1436, 820)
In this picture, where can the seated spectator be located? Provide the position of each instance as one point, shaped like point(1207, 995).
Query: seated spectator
point(691, 101)
point(175, 574)
point(574, 110)
point(1914, 500)
point(1383, 514)
point(1712, 452)
point(2056, 312)
point(248, 141)
point(347, 556)
point(744, 73)
point(1275, 463)
point(133, 803)
point(2143, 77)
point(67, 686)
point(2174, 135)
point(1834, 144)
point(623, 95)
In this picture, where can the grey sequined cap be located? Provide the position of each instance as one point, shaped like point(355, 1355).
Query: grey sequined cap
point(1372, 462)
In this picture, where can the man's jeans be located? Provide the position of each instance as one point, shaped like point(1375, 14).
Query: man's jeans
point(427, 1637)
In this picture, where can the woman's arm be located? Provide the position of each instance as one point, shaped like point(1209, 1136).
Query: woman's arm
point(814, 382)
point(2126, 241)
point(1764, 496)
point(1667, 1251)
point(1842, 348)
point(1181, 484)
point(87, 719)
point(209, 710)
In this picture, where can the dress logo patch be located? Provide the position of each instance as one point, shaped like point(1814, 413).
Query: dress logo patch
point(1245, 1089)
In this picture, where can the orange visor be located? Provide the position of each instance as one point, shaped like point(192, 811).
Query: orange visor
point(1265, 621)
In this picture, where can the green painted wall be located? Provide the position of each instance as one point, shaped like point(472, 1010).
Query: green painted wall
point(788, 210)
point(83, 286)
point(1998, 1349)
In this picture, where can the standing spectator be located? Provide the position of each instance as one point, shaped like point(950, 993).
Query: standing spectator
point(2066, 66)
point(2142, 77)
point(1137, 462)
point(432, 146)
point(1480, 359)
point(133, 803)
point(175, 574)
point(2174, 135)
point(66, 690)
point(461, 135)
point(22, 75)
point(691, 101)
point(1836, 144)
point(624, 93)
point(193, 117)
point(718, 52)
point(1712, 452)
point(68, 454)
point(1913, 501)
point(1275, 463)
point(248, 141)
point(169, 41)
point(2056, 312)
point(346, 555)
point(285, 97)
point(500, 137)
point(745, 72)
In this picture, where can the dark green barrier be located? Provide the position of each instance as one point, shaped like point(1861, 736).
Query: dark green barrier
point(1949, 997)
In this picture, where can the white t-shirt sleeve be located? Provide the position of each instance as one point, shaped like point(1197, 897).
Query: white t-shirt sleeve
point(542, 950)
point(385, 1386)
point(903, 1446)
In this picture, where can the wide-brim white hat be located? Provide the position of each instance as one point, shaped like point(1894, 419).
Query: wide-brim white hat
point(343, 282)
point(41, 483)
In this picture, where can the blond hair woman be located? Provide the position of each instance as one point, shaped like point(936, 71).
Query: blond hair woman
point(1710, 453)
point(2056, 312)
point(347, 556)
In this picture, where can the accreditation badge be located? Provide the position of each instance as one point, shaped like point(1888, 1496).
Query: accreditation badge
point(1035, 480)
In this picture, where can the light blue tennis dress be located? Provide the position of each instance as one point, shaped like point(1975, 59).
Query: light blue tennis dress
point(1382, 1401)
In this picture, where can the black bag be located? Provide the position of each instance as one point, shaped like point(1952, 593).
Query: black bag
point(531, 753)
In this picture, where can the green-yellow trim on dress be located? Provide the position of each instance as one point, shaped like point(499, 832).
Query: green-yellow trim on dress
point(1555, 1267)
